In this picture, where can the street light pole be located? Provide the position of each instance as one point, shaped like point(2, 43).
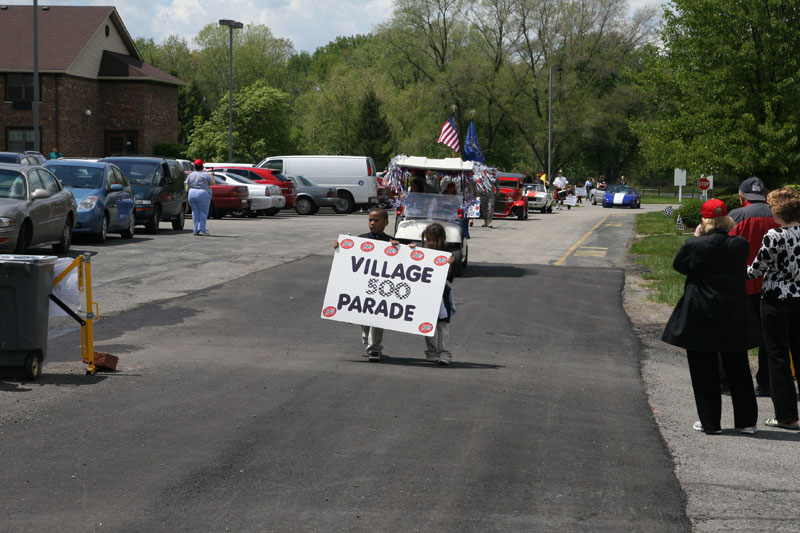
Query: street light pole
point(550, 121)
point(36, 139)
point(231, 24)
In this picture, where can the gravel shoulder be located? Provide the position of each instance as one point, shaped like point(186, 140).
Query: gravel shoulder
point(732, 482)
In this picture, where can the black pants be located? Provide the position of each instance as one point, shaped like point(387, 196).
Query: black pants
point(704, 369)
point(762, 374)
point(780, 320)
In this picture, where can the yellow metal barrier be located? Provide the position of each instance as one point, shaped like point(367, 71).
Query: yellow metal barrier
point(84, 265)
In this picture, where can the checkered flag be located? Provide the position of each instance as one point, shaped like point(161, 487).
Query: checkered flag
point(680, 223)
point(668, 211)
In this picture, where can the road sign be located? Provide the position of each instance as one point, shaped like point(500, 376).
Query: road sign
point(704, 183)
point(680, 177)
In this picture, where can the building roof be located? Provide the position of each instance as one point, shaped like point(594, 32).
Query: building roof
point(118, 66)
point(71, 40)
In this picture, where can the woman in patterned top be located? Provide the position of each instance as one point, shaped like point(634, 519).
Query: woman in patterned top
point(778, 261)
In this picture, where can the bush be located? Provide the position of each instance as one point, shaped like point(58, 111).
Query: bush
point(690, 212)
point(173, 150)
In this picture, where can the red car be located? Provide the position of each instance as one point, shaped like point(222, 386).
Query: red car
point(511, 199)
point(264, 176)
point(227, 199)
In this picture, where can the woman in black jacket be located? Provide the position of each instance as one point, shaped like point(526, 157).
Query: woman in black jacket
point(713, 316)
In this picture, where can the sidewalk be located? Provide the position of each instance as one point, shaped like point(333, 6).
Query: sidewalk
point(732, 482)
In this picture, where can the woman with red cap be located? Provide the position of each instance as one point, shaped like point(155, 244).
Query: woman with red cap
point(713, 317)
point(199, 186)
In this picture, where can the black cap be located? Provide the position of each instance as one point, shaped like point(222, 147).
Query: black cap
point(753, 189)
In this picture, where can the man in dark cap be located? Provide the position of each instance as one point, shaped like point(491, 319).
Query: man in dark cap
point(753, 220)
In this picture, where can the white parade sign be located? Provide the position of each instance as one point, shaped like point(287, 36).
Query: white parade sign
point(474, 210)
point(373, 283)
point(580, 191)
point(571, 200)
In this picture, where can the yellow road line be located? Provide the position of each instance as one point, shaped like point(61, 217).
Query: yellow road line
point(574, 246)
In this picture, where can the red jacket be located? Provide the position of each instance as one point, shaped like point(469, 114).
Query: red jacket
point(753, 220)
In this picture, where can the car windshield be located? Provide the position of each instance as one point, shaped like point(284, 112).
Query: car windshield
point(280, 177)
point(305, 181)
point(8, 158)
point(78, 176)
point(240, 179)
point(219, 181)
point(432, 206)
point(139, 172)
point(12, 184)
point(619, 189)
point(538, 187)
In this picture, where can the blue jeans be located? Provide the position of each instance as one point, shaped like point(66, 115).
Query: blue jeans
point(199, 201)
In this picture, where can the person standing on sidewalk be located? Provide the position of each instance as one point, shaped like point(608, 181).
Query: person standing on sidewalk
point(712, 317)
point(753, 220)
point(778, 260)
point(199, 186)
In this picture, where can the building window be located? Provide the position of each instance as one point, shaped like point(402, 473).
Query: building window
point(19, 87)
point(19, 139)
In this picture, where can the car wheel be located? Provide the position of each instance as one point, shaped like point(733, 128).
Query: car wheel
point(180, 222)
point(520, 213)
point(272, 211)
point(33, 366)
point(101, 237)
point(128, 233)
point(344, 205)
point(304, 206)
point(252, 214)
point(594, 200)
point(24, 238)
point(237, 212)
point(66, 238)
point(155, 220)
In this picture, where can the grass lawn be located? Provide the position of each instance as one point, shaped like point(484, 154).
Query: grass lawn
point(667, 200)
point(656, 250)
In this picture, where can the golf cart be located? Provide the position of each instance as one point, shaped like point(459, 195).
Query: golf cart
point(444, 192)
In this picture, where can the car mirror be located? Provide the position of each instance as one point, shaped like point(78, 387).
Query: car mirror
point(115, 187)
point(40, 194)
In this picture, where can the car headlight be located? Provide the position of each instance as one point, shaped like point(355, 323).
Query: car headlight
point(143, 202)
point(88, 203)
point(6, 222)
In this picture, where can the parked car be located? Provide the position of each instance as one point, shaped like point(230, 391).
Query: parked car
point(310, 196)
point(539, 198)
point(510, 199)
point(354, 177)
point(264, 176)
point(260, 200)
point(596, 194)
point(27, 158)
point(226, 199)
point(622, 196)
point(104, 196)
point(158, 188)
point(34, 209)
point(188, 166)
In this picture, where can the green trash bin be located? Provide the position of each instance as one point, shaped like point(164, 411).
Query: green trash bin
point(26, 282)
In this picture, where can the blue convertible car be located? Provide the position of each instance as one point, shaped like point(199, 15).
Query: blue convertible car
point(623, 196)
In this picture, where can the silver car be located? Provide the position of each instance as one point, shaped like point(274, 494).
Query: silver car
point(34, 210)
point(310, 196)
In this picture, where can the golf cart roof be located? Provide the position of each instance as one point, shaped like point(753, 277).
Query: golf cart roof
point(452, 164)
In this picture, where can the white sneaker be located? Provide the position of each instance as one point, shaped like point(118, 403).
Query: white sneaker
point(699, 427)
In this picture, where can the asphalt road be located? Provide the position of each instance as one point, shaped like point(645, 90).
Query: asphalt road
point(237, 408)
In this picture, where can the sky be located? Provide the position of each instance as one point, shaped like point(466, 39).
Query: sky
point(308, 24)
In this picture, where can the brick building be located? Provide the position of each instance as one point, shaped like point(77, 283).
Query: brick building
point(97, 96)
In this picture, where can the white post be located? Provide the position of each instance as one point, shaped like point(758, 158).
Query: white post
point(680, 193)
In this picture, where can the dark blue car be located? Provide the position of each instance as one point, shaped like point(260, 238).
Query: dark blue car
point(622, 196)
point(104, 196)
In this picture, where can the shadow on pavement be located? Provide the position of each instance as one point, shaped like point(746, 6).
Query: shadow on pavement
point(415, 361)
point(11, 383)
point(493, 271)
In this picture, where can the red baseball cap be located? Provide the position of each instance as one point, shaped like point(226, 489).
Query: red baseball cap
point(199, 162)
point(713, 208)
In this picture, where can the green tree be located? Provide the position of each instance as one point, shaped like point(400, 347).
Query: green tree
point(260, 126)
point(373, 136)
point(724, 91)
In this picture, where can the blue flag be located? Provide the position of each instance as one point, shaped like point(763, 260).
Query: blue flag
point(472, 150)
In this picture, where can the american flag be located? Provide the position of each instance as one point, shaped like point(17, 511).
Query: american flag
point(449, 135)
point(668, 211)
point(680, 223)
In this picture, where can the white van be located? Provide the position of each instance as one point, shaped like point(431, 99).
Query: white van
point(352, 176)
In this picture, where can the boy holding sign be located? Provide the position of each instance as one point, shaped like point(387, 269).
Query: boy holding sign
point(371, 336)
